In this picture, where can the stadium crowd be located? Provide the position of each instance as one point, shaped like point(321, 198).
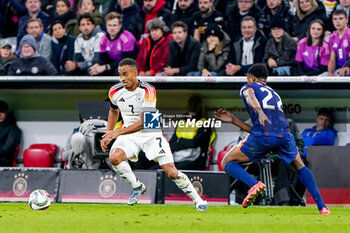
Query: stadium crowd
point(181, 37)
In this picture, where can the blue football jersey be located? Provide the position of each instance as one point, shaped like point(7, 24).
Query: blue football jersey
point(271, 104)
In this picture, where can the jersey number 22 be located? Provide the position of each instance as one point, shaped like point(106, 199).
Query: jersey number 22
point(270, 95)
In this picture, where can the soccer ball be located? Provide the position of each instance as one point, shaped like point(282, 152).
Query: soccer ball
point(39, 199)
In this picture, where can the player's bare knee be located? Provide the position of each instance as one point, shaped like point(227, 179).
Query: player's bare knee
point(116, 157)
point(297, 163)
point(172, 173)
point(170, 170)
point(227, 159)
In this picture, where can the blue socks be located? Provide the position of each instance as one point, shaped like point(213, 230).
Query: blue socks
point(307, 178)
point(236, 171)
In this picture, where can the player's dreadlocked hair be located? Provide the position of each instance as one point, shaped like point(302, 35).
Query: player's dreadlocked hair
point(129, 62)
point(259, 71)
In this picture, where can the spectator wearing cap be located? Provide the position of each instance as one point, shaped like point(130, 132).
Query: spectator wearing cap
point(322, 133)
point(6, 56)
point(247, 50)
point(43, 40)
point(62, 47)
point(10, 135)
point(29, 62)
point(206, 15)
point(131, 17)
point(34, 11)
point(116, 44)
point(154, 50)
point(86, 46)
point(214, 52)
point(280, 50)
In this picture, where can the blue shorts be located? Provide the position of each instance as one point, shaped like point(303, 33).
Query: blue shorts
point(256, 148)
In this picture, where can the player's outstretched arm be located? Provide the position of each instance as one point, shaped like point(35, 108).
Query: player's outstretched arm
point(252, 101)
point(226, 116)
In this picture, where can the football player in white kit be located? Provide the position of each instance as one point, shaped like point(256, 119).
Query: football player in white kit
point(130, 97)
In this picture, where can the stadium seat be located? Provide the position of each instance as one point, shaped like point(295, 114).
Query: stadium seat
point(51, 148)
point(15, 155)
point(37, 158)
point(62, 161)
point(210, 156)
point(221, 156)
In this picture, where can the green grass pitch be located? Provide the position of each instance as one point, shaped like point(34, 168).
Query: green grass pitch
point(62, 218)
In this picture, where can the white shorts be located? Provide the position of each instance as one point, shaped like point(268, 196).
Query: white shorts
point(155, 146)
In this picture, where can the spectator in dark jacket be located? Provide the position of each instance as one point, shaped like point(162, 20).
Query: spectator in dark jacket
point(48, 6)
point(185, 12)
point(307, 11)
point(206, 15)
point(184, 51)
point(237, 13)
point(280, 50)
point(6, 57)
point(62, 47)
point(280, 8)
point(29, 63)
point(63, 12)
point(10, 135)
point(34, 11)
point(154, 50)
point(132, 20)
point(247, 50)
point(105, 6)
point(10, 12)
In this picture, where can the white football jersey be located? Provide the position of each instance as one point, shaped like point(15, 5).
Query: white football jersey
point(132, 103)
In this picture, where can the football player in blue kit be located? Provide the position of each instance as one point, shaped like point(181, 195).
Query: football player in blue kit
point(270, 131)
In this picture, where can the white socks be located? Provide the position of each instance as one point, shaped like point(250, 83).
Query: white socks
point(182, 181)
point(186, 186)
point(124, 170)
